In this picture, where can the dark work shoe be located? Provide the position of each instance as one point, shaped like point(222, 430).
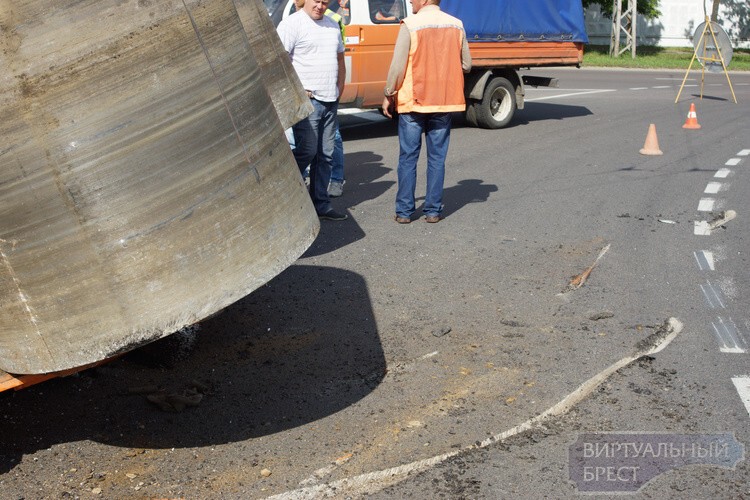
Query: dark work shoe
point(402, 220)
point(333, 215)
point(432, 219)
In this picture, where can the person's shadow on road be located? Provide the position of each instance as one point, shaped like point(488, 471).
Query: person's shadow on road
point(362, 171)
point(465, 192)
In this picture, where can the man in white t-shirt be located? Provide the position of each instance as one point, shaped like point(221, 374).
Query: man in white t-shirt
point(314, 43)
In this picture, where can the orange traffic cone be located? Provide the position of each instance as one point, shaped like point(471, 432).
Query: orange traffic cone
point(692, 118)
point(651, 146)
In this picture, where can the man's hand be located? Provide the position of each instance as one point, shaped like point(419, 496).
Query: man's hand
point(388, 102)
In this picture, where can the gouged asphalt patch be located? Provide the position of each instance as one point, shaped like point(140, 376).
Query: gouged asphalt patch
point(375, 481)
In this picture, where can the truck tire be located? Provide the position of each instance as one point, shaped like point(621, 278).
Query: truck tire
point(497, 107)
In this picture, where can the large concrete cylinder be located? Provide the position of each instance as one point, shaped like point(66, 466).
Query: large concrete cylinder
point(145, 180)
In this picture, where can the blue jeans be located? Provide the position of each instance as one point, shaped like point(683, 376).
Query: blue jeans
point(313, 140)
point(437, 130)
point(337, 171)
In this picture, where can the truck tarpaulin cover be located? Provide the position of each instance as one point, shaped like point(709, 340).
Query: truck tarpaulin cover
point(516, 20)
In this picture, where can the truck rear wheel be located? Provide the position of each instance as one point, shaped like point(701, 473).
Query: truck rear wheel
point(497, 107)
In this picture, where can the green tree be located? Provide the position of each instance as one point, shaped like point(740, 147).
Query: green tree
point(646, 8)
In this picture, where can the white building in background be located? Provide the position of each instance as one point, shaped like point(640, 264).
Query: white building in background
point(677, 23)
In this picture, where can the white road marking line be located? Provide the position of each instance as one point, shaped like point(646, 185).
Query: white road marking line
point(732, 350)
point(350, 111)
point(701, 228)
point(706, 204)
point(569, 95)
point(712, 296)
point(712, 188)
point(742, 384)
point(705, 260)
point(729, 336)
point(719, 332)
point(744, 152)
point(372, 482)
point(722, 173)
point(370, 116)
point(662, 87)
point(639, 88)
point(732, 162)
point(555, 89)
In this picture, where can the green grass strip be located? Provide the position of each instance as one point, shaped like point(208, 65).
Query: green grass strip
point(649, 57)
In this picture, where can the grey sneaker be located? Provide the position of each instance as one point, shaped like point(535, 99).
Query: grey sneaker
point(335, 189)
point(333, 215)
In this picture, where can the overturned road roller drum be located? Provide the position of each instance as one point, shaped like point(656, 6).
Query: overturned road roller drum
point(145, 179)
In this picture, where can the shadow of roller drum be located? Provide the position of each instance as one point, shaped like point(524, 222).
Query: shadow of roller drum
point(145, 179)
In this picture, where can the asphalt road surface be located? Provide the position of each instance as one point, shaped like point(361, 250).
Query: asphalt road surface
point(577, 322)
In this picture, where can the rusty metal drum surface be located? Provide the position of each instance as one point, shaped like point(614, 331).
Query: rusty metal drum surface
point(145, 180)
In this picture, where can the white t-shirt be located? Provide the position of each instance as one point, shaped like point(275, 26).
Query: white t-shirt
point(313, 47)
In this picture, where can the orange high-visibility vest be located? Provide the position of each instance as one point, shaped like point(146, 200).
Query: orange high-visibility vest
point(434, 80)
